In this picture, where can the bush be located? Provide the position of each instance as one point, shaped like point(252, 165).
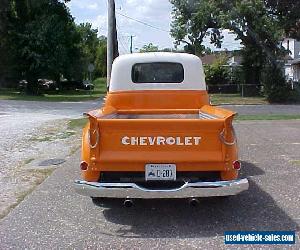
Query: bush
point(33, 88)
point(294, 96)
point(223, 89)
point(276, 89)
point(216, 73)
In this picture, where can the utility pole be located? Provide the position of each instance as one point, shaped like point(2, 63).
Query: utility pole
point(131, 44)
point(112, 41)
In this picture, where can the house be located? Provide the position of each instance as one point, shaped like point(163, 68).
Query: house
point(209, 59)
point(234, 59)
point(292, 61)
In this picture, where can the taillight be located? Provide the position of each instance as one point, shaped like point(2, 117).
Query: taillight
point(236, 165)
point(84, 165)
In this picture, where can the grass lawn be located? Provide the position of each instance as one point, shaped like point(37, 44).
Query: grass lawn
point(267, 117)
point(77, 123)
point(218, 99)
point(66, 96)
point(100, 90)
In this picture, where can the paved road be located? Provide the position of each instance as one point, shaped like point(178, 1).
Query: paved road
point(19, 118)
point(20, 122)
point(71, 109)
point(65, 109)
point(53, 216)
point(265, 109)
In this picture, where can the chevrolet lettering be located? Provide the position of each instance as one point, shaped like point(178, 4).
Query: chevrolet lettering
point(161, 140)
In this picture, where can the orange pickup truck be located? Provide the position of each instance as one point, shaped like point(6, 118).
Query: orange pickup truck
point(157, 136)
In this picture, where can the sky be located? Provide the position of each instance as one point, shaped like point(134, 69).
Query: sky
point(156, 13)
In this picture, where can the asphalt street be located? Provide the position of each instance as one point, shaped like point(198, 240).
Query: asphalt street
point(55, 217)
point(265, 109)
point(20, 118)
point(23, 127)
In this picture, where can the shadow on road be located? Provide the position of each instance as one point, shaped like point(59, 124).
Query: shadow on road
point(252, 210)
point(249, 169)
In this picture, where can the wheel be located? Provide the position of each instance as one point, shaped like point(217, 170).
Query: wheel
point(223, 198)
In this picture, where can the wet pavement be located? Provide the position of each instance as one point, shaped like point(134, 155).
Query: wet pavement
point(54, 217)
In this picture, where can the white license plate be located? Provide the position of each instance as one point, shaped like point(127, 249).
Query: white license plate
point(159, 172)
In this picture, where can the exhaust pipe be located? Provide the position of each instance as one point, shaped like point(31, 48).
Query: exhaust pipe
point(128, 203)
point(193, 202)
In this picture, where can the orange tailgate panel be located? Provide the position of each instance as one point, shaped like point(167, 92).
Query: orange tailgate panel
point(114, 156)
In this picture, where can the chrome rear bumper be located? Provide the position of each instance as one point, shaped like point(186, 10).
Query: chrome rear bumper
point(132, 190)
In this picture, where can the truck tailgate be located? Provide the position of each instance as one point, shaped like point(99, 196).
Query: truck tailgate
point(129, 141)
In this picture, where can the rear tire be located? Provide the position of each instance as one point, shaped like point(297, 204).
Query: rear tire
point(224, 198)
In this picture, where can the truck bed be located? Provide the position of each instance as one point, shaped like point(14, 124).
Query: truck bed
point(129, 139)
point(200, 115)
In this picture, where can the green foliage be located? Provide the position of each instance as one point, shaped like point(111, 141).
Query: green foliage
point(279, 90)
point(39, 39)
point(153, 48)
point(77, 123)
point(149, 48)
point(287, 13)
point(62, 96)
point(42, 40)
point(93, 49)
point(216, 73)
point(258, 24)
point(193, 21)
point(101, 58)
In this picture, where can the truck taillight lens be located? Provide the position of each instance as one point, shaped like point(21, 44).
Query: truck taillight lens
point(84, 165)
point(236, 165)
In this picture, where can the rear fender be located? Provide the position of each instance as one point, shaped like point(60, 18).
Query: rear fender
point(228, 138)
point(89, 174)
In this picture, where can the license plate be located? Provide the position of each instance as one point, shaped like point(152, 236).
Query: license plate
point(160, 172)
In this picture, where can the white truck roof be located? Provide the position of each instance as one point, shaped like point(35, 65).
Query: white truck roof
point(121, 76)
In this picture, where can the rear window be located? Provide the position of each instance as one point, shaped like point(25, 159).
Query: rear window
point(157, 72)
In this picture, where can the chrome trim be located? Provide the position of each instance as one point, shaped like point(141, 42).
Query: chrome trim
point(95, 131)
point(222, 138)
point(188, 190)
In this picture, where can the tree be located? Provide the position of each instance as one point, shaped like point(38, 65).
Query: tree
point(6, 52)
point(39, 39)
point(89, 43)
point(100, 61)
point(216, 73)
point(287, 12)
point(258, 24)
point(45, 40)
point(149, 48)
point(93, 49)
point(192, 22)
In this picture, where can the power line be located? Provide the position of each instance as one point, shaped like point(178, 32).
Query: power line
point(123, 46)
point(121, 40)
point(146, 24)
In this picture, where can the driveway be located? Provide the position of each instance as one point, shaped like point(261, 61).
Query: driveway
point(30, 133)
point(53, 216)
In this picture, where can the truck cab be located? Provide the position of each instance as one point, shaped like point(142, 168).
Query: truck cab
point(157, 136)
